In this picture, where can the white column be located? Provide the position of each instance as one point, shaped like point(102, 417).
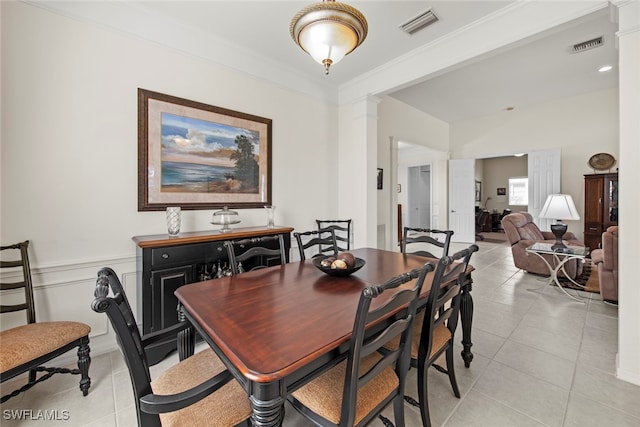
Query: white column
point(629, 205)
point(357, 169)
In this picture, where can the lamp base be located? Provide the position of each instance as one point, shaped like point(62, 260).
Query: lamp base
point(558, 229)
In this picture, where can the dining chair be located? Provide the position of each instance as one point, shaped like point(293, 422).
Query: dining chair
point(426, 238)
point(27, 347)
point(255, 253)
point(197, 391)
point(313, 242)
point(436, 324)
point(342, 230)
point(358, 389)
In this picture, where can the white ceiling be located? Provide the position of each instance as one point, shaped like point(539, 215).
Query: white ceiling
point(536, 71)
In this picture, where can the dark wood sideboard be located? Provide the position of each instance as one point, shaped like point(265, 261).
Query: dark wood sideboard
point(164, 263)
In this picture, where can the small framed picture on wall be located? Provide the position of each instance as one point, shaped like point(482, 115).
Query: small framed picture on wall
point(502, 191)
point(379, 179)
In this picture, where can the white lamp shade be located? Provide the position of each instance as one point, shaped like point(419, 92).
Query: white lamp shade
point(559, 206)
point(328, 40)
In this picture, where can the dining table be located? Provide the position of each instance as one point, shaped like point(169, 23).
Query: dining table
point(279, 327)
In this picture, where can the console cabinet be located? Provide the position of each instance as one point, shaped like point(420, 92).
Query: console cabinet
point(164, 263)
point(600, 206)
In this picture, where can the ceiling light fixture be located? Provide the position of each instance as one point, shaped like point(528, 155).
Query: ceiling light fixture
point(605, 68)
point(328, 31)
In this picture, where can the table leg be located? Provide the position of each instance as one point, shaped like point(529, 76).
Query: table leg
point(553, 279)
point(561, 263)
point(186, 339)
point(267, 404)
point(466, 318)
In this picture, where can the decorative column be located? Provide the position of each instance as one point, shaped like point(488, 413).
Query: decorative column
point(628, 41)
point(357, 169)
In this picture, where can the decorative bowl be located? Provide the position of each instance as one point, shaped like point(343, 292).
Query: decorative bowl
point(338, 272)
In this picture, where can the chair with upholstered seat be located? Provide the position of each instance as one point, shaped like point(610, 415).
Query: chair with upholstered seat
point(27, 347)
point(198, 391)
point(255, 253)
point(342, 230)
point(310, 241)
point(356, 390)
point(424, 239)
point(435, 325)
point(522, 232)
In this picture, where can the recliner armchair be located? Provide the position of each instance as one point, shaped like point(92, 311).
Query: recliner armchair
point(522, 232)
point(606, 259)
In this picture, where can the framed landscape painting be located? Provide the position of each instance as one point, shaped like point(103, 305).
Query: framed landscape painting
point(199, 156)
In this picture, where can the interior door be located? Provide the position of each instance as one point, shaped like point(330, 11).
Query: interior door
point(419, 200)
point(461, 200)
point(544, 179)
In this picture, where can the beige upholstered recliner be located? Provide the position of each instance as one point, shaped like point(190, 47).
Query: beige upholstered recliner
point(522, 232)
point(607, 261)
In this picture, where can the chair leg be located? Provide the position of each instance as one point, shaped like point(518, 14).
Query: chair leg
point(84, 361)
point(452, 372)
point(32, 375)
point(423, 395)
point(398, 411)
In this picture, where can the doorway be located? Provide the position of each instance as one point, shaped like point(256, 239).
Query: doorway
point(419, 196)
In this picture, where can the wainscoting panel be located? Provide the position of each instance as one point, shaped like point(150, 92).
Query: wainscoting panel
point(65, 292)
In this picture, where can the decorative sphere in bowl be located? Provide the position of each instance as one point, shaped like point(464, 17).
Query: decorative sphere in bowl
point(332, 265)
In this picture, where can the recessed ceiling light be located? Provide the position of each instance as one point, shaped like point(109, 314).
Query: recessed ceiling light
point(519, 154)
point(605, 68)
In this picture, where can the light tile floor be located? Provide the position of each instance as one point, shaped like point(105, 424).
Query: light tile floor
point(540, 359)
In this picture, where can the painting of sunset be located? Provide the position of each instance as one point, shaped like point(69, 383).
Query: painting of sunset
point(200, 156)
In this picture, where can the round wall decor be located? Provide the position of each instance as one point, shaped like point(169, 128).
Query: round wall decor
point(602, 161)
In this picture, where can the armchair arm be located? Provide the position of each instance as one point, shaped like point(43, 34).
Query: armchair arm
point(158, 404)
point(597, 256)
point(165, 334)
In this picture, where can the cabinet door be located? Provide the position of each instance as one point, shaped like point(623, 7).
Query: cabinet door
point(593, 192)
point(163, 301)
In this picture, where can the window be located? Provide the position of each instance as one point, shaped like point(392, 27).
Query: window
point(519, 191)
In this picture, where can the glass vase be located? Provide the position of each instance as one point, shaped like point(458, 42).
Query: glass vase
point(173, 220)
point(270, 216)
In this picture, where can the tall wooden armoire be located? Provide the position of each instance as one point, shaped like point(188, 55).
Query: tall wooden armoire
point(600, 206)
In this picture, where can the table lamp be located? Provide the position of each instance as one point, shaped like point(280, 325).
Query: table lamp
point(559, 207)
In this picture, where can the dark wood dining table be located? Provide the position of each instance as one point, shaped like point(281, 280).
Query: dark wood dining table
point(277, 327)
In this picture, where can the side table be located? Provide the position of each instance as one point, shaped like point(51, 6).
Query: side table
point(561, 257)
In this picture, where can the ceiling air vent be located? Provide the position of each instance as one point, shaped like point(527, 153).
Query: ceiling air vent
point(589, 44)
point(418, 22)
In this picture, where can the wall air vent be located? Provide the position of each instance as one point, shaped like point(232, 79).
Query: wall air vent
point(419, 21)
point(589, 44)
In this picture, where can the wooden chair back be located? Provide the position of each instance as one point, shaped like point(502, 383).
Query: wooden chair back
point(255, 253)
point(311, 243)
point(441, 311)
point(424, 237)
point(342, 230)
point(118, 309)
point(20, 264)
